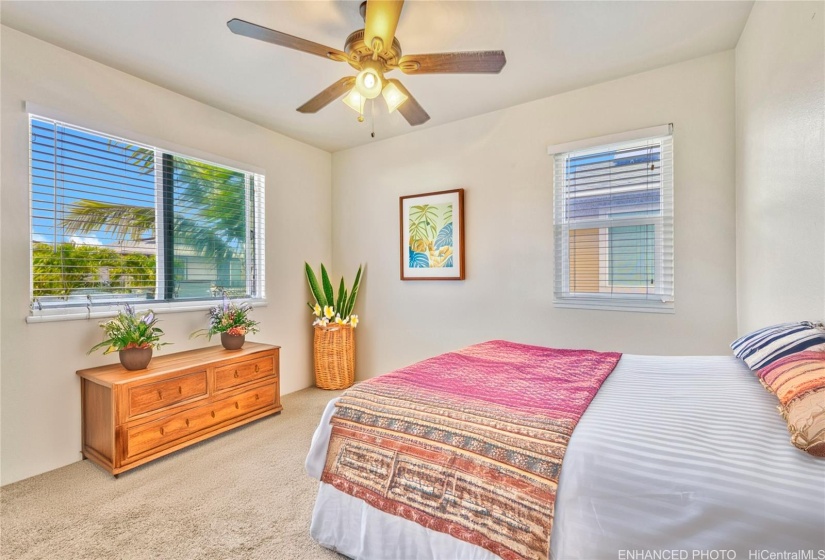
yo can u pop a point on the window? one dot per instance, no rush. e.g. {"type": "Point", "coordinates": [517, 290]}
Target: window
{"type": "Point", "coordinates": [614, 225]}
{"type": "Point", "coordinates": [115, 221]}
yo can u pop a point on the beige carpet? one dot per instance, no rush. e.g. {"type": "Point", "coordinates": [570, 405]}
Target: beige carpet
{"type": "Point", "coordinates": [243, 494]}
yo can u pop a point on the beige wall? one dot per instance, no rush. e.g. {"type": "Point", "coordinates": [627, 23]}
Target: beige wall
{"type": "Point", "coordinates": [40, 393]}
{"type": "Point", "coordinates": [500, 159]}
{"type": "Point", "coordinates": [774, 149]}
{"type": "Point", "coordinates": [780, 164]}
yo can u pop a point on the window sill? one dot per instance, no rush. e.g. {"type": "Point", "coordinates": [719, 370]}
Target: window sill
{"type": "Point", "coordinates": [629, 306]}
{"type": "Point", "coordinates": [105, 312]}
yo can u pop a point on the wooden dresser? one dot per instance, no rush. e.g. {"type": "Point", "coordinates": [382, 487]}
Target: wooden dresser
{"type": "Point", "coordinates": [132, 417]}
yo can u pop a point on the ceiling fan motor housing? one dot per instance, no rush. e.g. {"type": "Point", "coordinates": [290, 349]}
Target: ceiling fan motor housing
{"type": "Point", "coordinates": [358, 52]}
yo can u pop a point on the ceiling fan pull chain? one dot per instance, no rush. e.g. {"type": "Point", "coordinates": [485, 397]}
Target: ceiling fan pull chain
{"type": "Point", "coordinates": [372, 114]}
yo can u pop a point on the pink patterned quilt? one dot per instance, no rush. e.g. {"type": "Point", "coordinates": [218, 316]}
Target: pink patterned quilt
{"type": "Point", "coordinates": [468, 443]}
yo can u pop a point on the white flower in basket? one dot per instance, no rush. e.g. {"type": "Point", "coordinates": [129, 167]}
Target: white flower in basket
{"type": "Point", "coordinates": [329, 308]}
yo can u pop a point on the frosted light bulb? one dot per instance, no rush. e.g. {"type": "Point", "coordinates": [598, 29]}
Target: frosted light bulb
{"type": "Point", "coordinates": [368, 83]}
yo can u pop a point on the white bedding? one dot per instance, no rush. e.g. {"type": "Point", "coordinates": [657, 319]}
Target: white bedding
{"type": "Point", "coordinates": [674, 453]}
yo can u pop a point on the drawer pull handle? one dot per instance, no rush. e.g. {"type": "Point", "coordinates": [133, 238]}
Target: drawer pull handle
{"type": "Point", "coordinates": [161, 431]}
{"type": "Point", "coordinates": [237, 405]}
{"type": "Point", "coordinates": [160, 395]}
{"type": "Point", "coordinates": [236, 374]}
{"type": "Point", "coordinates": [187, 422]}
{"type": "Point", "coordinates": [213, 414]}
{"type": "Point", "coordinates": [180, 390]}
{"type": "Point", "coordinates": [256, 396]}
{"type": "Point", "coordinates": [257, 368]}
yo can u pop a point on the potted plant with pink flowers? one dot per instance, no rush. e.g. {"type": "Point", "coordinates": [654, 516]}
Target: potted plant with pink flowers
{"type": "Point", "coordinates": [232, 321]}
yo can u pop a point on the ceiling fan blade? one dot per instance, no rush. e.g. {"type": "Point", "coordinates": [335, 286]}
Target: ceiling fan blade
{"type": "Point", "coordinates": [381, 21]}
{"type": "Point", "coordinates": [327, 96]}
{"type": "Point", "coordinates": [477, 62]}
{"type": "Point", "coordinates": [254, 31]}
{"type": "Point", "coordinates": [410, 109]}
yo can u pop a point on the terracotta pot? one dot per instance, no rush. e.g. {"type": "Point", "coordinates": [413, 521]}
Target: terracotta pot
{"type": "Point", "coordinates": [232, 341]}
{"type": "Point", "coordinates": [135, 358]}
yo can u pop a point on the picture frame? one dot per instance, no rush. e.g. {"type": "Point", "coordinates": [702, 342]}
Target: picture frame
{"type": "Point", "coordinates": [432, 235]}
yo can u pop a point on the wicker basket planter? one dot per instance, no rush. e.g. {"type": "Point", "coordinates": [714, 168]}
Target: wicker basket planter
{"type": "Point", "coordinates": [334, 353]}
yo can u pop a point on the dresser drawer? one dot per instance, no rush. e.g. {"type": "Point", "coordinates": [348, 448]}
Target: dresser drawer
{"type": "Point", "coordinates": [149, 437]}
{"type": "Point", "coordinates": [227, 377]}
{"type": "Point", "coordinates": [161, 394]}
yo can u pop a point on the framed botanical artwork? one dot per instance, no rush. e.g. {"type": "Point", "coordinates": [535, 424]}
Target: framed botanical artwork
{"type": "Point", "coordinates": [432, 236]}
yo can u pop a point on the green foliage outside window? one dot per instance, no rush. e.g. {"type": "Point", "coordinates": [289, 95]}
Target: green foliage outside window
{"type": "Point", "coordinates": [64, 268]}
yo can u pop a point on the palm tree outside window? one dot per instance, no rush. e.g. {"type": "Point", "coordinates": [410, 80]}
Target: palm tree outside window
{"type": "Point", "coordinates": [116, 221]}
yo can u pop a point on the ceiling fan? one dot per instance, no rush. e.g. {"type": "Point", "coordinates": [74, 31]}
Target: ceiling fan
{"type": "Point", "coordinates": [374, 51]}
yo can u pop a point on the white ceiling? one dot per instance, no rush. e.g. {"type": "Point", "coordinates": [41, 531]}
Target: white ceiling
{"type": "Point", "coordinates": [551, 47]}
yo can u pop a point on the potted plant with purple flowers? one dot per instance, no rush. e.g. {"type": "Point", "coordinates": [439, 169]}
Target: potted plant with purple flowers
{"type": "Point", "coordinates": [232, 321]}
{"type": "Point", "coordinates": [133, 336]}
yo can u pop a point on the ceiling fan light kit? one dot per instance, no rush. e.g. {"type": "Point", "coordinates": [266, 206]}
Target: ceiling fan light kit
{"type": "Point", "coordinates": [356, 102]}
{"type": "Point", "coordinates": [375, 51]}
{"type": "Point", "coordinates": [393, 96]}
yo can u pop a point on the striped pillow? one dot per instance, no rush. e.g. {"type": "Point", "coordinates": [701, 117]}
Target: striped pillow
{"type": "Point", "coordinates": [798, 381]}
{"type": "Point", "coordinates": [765, 346]}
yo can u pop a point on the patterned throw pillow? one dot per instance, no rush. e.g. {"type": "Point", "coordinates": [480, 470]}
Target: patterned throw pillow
{"type": "Point", "coordinates": [765, 346]}
{"type": "Point", "coordinates": [798, 381]}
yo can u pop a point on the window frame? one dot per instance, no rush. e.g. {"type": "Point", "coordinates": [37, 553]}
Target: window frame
{"type": "Point", "coordinates": [662, 222]}
{"type": "Point", "coordinates": [255, 183]}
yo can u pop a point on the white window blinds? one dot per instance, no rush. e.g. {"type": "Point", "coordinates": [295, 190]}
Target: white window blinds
{"type": "Point", "coordinates": [115, 221]}
{"type": "Point", "coordinates": [613, 229]}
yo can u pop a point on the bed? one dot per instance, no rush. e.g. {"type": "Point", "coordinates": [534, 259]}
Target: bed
{"type": "Point", "coordinates": [672, 454]}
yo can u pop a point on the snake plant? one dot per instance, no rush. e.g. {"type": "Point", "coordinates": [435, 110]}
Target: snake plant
{"type": "Point", "coordinates": [329, 307]}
